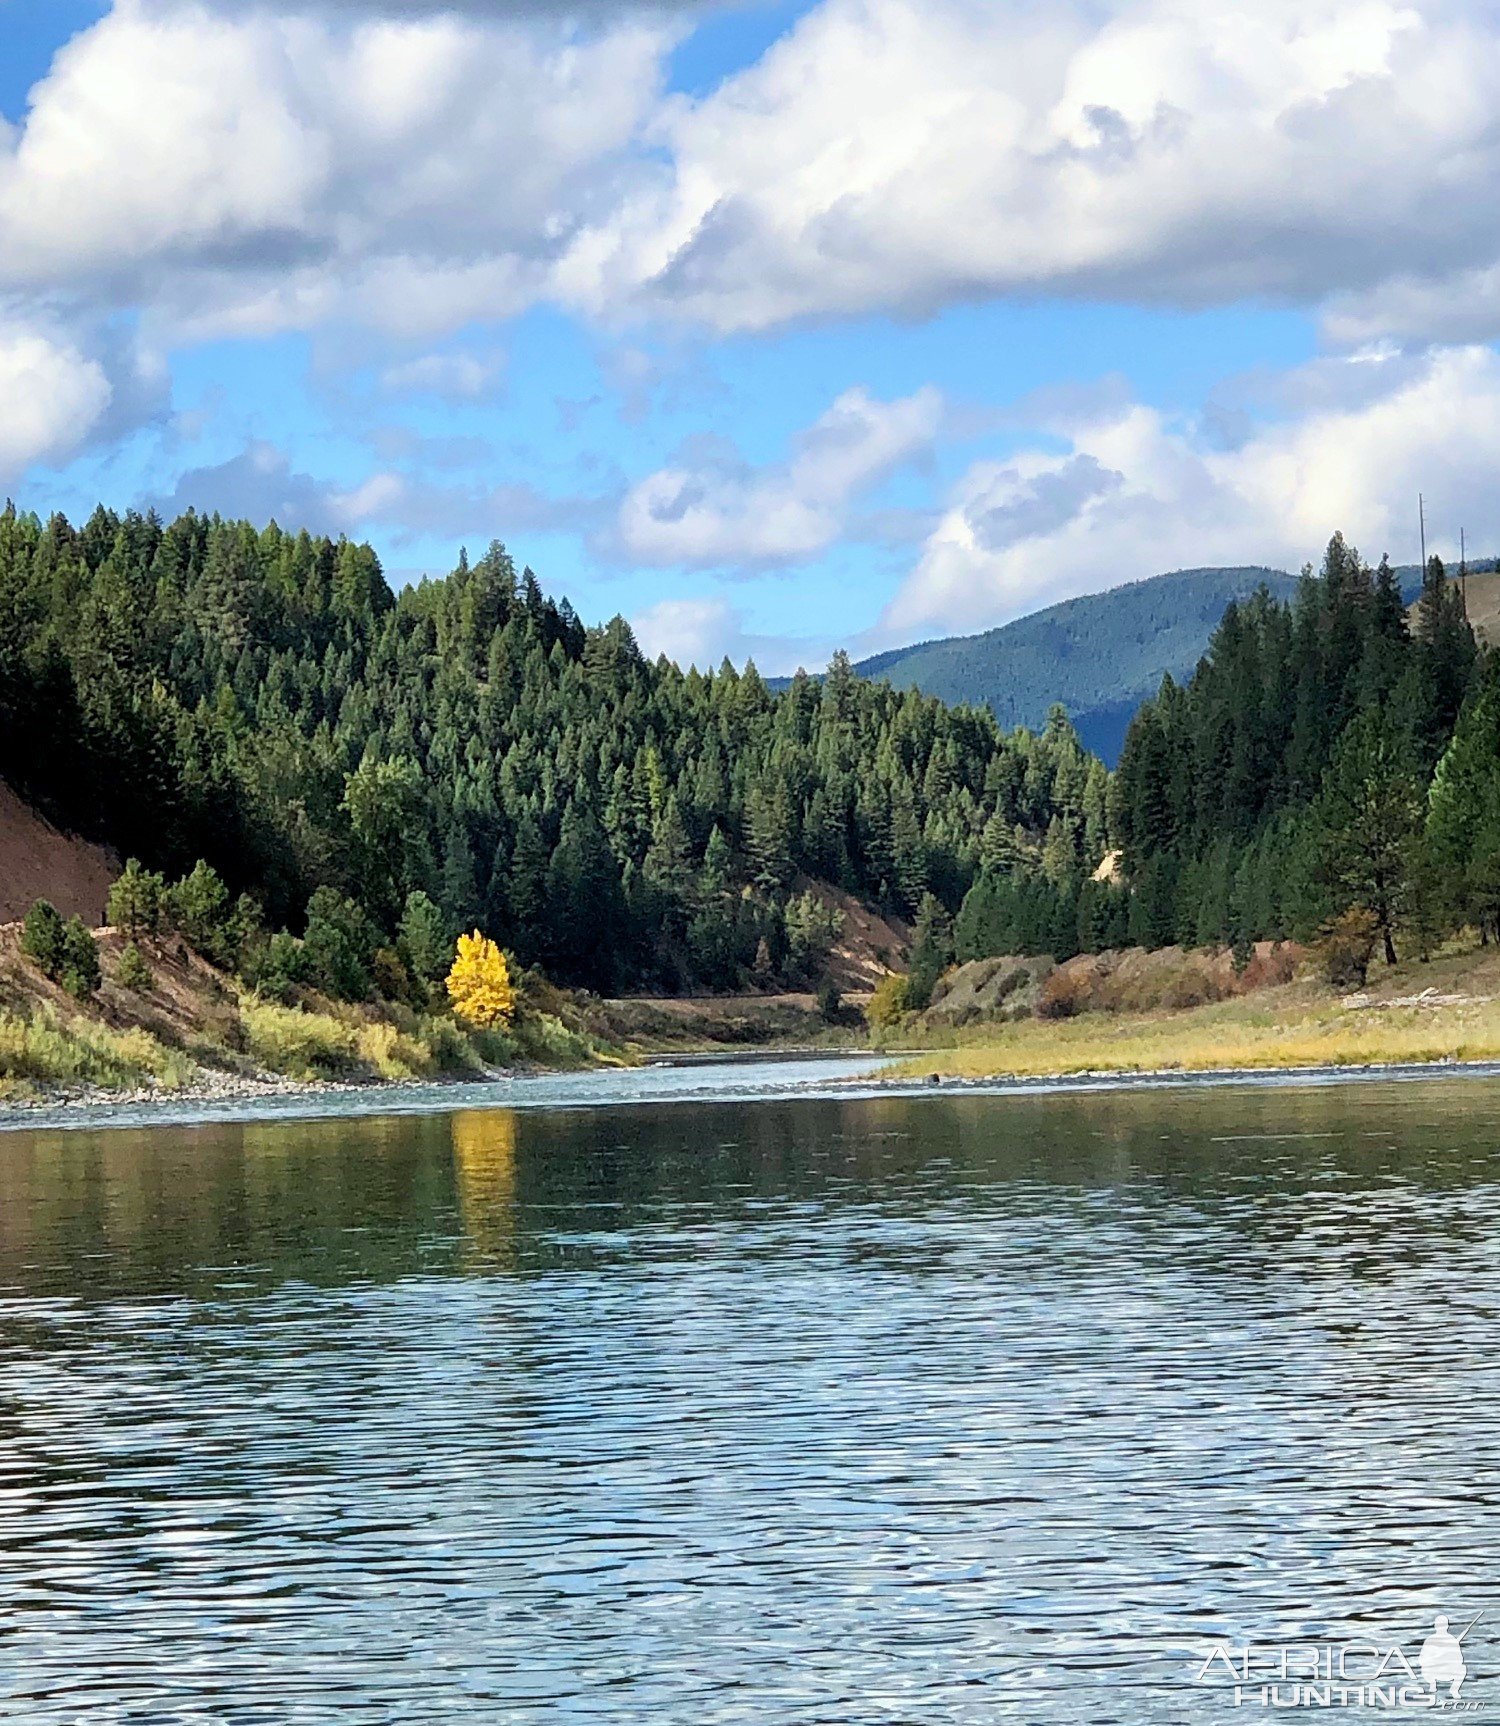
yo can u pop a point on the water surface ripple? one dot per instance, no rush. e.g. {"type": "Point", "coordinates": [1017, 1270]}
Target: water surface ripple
{"type": "Point", "coordinates": [881, 1410]}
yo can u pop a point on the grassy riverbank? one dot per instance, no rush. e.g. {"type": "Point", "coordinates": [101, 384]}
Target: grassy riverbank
{"type": "Point", "coordinates": [190, 1027]}
{"type": "Point", "coordinates": [1298, 1024]}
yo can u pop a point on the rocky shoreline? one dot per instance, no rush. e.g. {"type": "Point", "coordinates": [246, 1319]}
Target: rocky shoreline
{"type": "Point", "coordinates": [215, 1087]}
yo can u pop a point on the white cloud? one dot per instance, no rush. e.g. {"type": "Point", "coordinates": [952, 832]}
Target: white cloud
{"type": "Point", "coordinates": [1134, 493]}
{"type": "Point", "coordinates": [712, 509]}
{"type": "Point", "coordinates": [264, 171]}
{"type": "Point", "coordinates": [503, 10]}
{"type": "Point", "coordinates": [54, 396]}
{"type": "Point", "coordinates": [689, 631]}
{"type": "Point", "coordinates": [255, 167]}
{"type": "Point", "coordinates": [705, 630]}
{"type": "Point", "coordinates": [908, 153]}
{"type": "Point", "coordinates": [460, 376]}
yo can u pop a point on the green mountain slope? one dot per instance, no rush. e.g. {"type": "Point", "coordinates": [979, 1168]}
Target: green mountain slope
{"type": "Point", "coordinates": [1100, 655]}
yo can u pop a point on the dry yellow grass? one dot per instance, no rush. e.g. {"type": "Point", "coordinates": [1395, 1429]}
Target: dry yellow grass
{"type": "Point", "coordinates": [1279, 1028]}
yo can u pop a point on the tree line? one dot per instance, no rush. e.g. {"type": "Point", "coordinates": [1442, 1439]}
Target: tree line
{"type": "Point", "coordinates": [1331, 770]}
{"type": "Point", "coordinates": [333, 773]}
{"type": "Point", "coordinates": [342, 779]}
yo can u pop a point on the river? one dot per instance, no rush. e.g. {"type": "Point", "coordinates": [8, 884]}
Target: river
{"type": "Point", "coordinates": [722, 1396]}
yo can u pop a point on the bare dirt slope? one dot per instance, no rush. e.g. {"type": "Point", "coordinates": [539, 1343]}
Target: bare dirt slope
{"type": "Point", "coordinates": [38, 862]}
{"type": "Point", "coordinates": [189, 1005]}
{"type": "Point", "coordinates": [707, 1021]}
{"type": "Point", "coordinates": [1483, 603]}
{"type": "Point", "coordinates": [870, 947]}
{"type": "Point", "coordinates": [1484, 606]}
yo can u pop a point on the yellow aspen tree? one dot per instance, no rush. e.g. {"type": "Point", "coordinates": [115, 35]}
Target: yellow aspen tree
{"type": "Point", "coordinates": [479, 984]}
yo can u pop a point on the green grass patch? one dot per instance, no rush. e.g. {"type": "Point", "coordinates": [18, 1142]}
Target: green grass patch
{"type": "Point", "coordinates": [298, 1043]}
{"type": "Point", "coordinates": [43, 1050]}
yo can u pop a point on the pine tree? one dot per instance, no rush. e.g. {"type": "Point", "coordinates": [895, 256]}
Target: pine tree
{"type": "Point", "coordinates": [42, 938]}
{"type": "Point", "coordinates": [80, 960]}
{"type": "Point", "coordinates": [425, 944]}
{"type": "Point", "coordinates": [931, 953]}
{"type": "Point", "coordinates": [135, 901]}
{"type": "Point", "coordinates": [1370, 817]}
{"type": "Point", "coordinates": [768, 836]}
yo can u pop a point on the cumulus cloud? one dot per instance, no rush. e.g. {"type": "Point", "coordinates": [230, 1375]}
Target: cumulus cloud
{"type": "Point", "coordinates": [496, 9]}
{"type": "Point", "coordinates": [66, 388]}
{"type": "Point", "coordinates": [690, 631]}
{"type": "Point", "coordinates": [412, 167]}
{"type": "Point", "coordinates": [265, 171]}
{"type": "Point", "coordinates": [909, 153]}
{"type": "Point", "coordinates": [1134, 492]}
{"type": "Point", "coordinates": [712, 509]}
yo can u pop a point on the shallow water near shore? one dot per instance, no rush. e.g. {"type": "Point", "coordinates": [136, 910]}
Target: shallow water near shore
{"type": "Point", "coordinates": [764, 1404]}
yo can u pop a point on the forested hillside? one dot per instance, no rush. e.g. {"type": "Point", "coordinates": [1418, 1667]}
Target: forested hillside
{"type": "Point", "coordinates": [263, 701]}
{"type": "Point", "coordinates": [1331, 769]}
{"type": "Point", "coordinates": [1100, 655]}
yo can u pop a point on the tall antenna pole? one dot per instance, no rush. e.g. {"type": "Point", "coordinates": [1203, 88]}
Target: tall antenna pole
{"type": "Point", "coordinates": [1463, 569]}
{"type": "Point", "coordinates": [1422, 524]}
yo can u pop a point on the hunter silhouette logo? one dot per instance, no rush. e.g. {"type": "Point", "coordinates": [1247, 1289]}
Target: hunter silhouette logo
{"type": "Point", "coordinates": [1442, 1659]}
{"type": "Point", "coordinates": [1356, 1674]}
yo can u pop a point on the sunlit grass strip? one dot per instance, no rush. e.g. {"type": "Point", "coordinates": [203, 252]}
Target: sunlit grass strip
{"type": "Point", "coordinates": [43, 1050]}
{"type": "Point", "coordinates": [1219, 1038]}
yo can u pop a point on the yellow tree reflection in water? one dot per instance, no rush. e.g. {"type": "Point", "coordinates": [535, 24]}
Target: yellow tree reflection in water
{"type": "Point", "coordinates": [484, 1163]}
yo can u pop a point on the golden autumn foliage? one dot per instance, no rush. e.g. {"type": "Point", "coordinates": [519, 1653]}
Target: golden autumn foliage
{"type": "Point", "coordinates": [479, 984]}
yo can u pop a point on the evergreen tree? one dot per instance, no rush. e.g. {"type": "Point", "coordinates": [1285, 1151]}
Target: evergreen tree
{"type": "Point", "coordinates": [43, 938]}
{"type": "Point", "coordinates": [425, 944]}
{"type": "Point", "coordinates": [80, 974]}
{"type": "Point", "coordinates": [1370, 818]}
{"type": "Point", "coordinates": [135, 901]}
{"type": "Point", "coordinates": [931, 953]}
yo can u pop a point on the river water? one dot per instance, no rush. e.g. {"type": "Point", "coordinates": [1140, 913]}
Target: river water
{"type": "Point", "coordinates": [650, 1407]}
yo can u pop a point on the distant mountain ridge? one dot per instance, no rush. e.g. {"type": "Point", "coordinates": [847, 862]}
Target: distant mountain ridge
{"type": "Point", "coordinates": [1100, 655]}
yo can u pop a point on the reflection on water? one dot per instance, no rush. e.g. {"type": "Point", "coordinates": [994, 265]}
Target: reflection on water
{"type": "Point", "coordinates": [484, 1171]}
{"type": "Point", "coordinates": [944, 1410]}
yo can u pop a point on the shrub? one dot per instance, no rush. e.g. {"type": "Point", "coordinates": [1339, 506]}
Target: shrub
{"type": "Point", "coordinates": [450, 1050]}
{"type": "Point", "coordinates": [279, 968]}
{"type": "Point", "coordinates": [479, 984]}
{"type": "Point", "coordinates": [1065, 993]}
{"type": "Point", "coordinates": [80, 959]}
{"type": "Point", "coordinates": [42, 939]}
{"type": "Point", "coordinates": [301, 1045]}
{"type": "Point", "coordinates": [392, 1054]}
{"type": "Point", "coordinates": [41, 1050]}
{"type": "Point", "coordinates": [133, 972]}
{"type": "Point", "coordinates": [542, 1038]}
{"type": "Point", "coordinates": [1268, 970]}
{"type": "Point", "coordinates": [830, 1002]}
{"type": "Point", "coordinates": [889, 1002]}
{"type": "Point", "coordinates": [1345, 947]}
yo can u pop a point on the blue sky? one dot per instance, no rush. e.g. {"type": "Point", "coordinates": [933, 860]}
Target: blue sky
{"type": "Point", "coordinates": [772, 327]}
